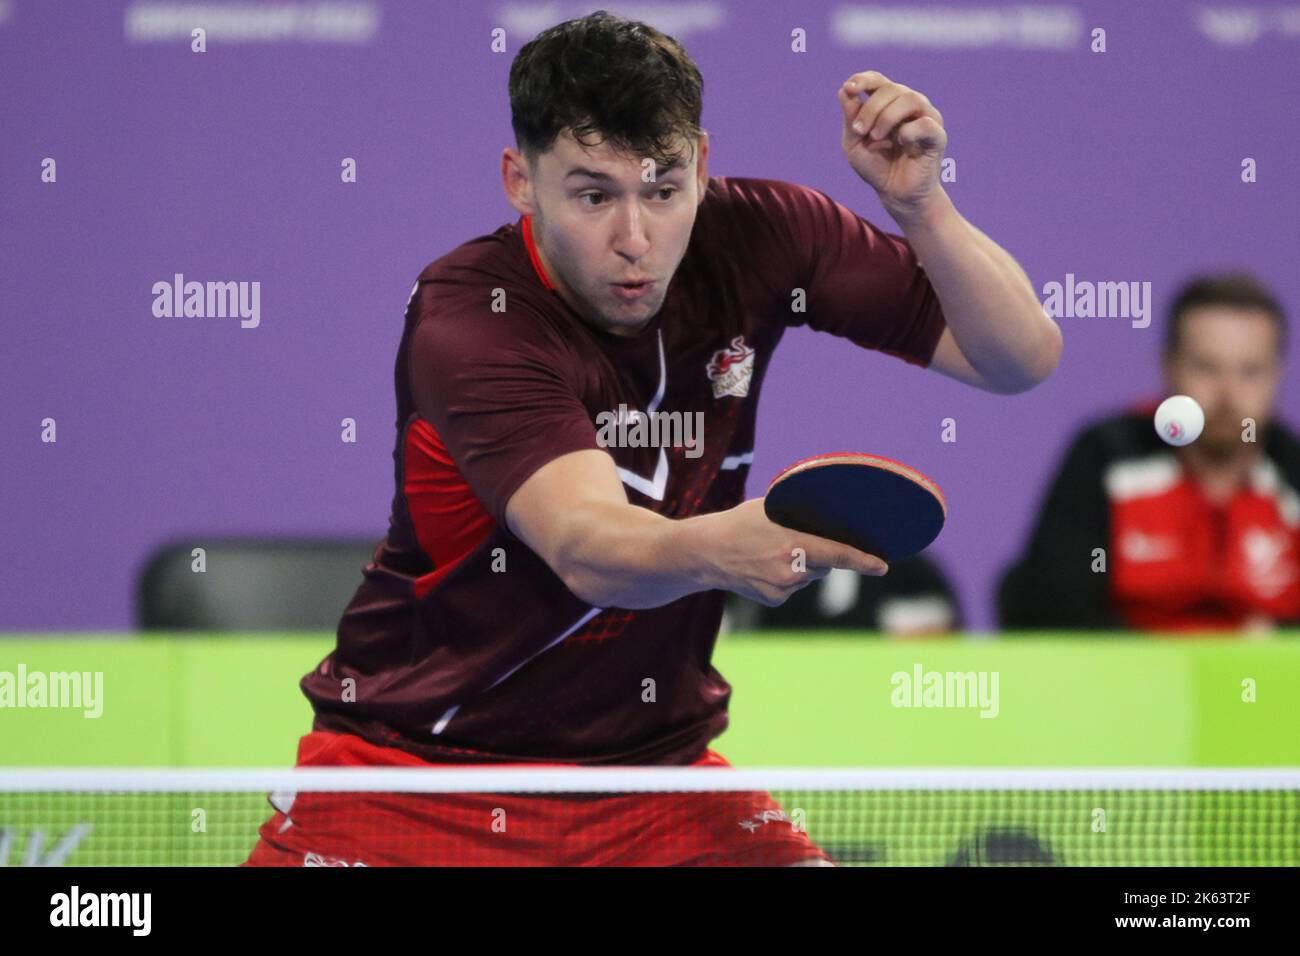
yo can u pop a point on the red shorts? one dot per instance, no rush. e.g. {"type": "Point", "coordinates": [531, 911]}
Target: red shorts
{"type": "Point", "coordinates": [410, 829]}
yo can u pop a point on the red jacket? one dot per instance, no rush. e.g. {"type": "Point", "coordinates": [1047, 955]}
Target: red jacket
{"type": "Point", "coordinates": [1173, 560]}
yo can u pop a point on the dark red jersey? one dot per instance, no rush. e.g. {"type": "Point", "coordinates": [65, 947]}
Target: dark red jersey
{"type": "Point", "coordinates": [461, 644]}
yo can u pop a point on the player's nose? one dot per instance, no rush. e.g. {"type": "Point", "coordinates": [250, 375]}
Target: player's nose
{"type": "Point", "coordinates": [631, 239]}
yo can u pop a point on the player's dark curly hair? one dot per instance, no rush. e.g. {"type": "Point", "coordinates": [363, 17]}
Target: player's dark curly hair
{"type": "Point", "coordinates": [1237, 290]}
{"type": "Point", "coordinates": [606, 79]}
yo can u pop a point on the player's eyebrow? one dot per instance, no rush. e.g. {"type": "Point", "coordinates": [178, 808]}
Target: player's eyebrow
{"type": "Point", "coordinates": [583, 172]}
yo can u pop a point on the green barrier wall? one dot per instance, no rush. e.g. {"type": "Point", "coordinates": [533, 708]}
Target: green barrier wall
{"type": "Point", "coordinates": [797, 701]}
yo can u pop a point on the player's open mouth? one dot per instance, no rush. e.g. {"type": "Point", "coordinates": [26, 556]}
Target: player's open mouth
{"type": "Point", "coordinates": [631, 291]}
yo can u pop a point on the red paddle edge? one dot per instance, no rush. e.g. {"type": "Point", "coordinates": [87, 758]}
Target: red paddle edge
{"type": "Point", "coordinates": [857, 457]}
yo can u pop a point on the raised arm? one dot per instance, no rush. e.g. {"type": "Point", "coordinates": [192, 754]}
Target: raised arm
{"type": "Point", "coordinates": [998, 338]}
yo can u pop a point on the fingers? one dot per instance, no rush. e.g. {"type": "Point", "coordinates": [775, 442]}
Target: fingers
{"type": "Point", "coordinates": [889, 105]}
{"type": "Point", "coordinates": [824, 553]}
{"type": "Point", "coordinates": [921, 136]}
{"type": "Point", "coordinates": [774, 595]}
{"type": "Point", "coordinates": [868, 121]}
{"type": "Point", "coordinates": [900, 106]}
{"type": "Point", "coordinates": [850, 104]}
{"type": "Point", "coordinates": [821, 557]}
{"type": "Point", "coordinates": [778, 561]}
{"type": "Point", "coordinates": [867, 82]}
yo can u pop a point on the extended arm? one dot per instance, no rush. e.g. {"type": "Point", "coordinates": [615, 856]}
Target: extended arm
{"type": "Point", "coordinates": [574, 513]}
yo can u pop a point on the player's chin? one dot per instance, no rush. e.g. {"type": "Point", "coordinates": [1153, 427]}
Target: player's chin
{"type": "Point", "coordinates": [633, 313]}
{"type": "Point", "coordinates": [1224, 431]}
{"type": "Point", "coordinates": [1220, 443]}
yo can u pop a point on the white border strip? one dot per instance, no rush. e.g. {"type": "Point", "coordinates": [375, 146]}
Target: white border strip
{"type": "Point", "coordinates": [541, 779]}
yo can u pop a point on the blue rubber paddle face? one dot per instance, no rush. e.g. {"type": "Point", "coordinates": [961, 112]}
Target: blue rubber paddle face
{"type": "Point", "coordinates": [870, 507]}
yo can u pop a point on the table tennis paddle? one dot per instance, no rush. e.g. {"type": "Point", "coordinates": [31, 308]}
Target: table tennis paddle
{"type": "Point", "coordinates": [874, 504]}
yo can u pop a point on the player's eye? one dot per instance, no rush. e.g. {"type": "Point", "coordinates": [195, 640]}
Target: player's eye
{"type": "Point", "coordinates": [671, 190]}
{"type": "Point", "coordinates": [589, 195]}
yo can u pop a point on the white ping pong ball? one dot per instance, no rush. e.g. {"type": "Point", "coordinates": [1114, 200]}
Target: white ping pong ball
{"type": "Point", "coordinates": [1179, 420]}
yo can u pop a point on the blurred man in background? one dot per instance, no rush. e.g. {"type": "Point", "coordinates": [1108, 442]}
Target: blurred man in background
{"type": "Point", "coordinates": [1203, 537]}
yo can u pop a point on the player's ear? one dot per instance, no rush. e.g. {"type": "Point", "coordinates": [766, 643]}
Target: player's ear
{"type": "Point", "coordinates": [702, 166]}
{"type": "Point", "coordinates": [517, 180]}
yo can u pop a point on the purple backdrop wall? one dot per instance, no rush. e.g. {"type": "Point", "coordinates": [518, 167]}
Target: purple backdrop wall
{"type": "Point", "coordinates": [1115, 166]}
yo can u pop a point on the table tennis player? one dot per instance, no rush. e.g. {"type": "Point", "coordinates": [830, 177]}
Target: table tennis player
{"type": "Point", "coordinates": [542, 598]}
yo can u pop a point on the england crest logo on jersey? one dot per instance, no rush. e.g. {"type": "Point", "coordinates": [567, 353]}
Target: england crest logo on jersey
{"type": "Point", "coordinates": [731, 368]}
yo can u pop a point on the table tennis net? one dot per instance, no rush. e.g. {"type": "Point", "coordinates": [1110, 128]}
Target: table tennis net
{"type": "Point", "coordinates": [651, 816]}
